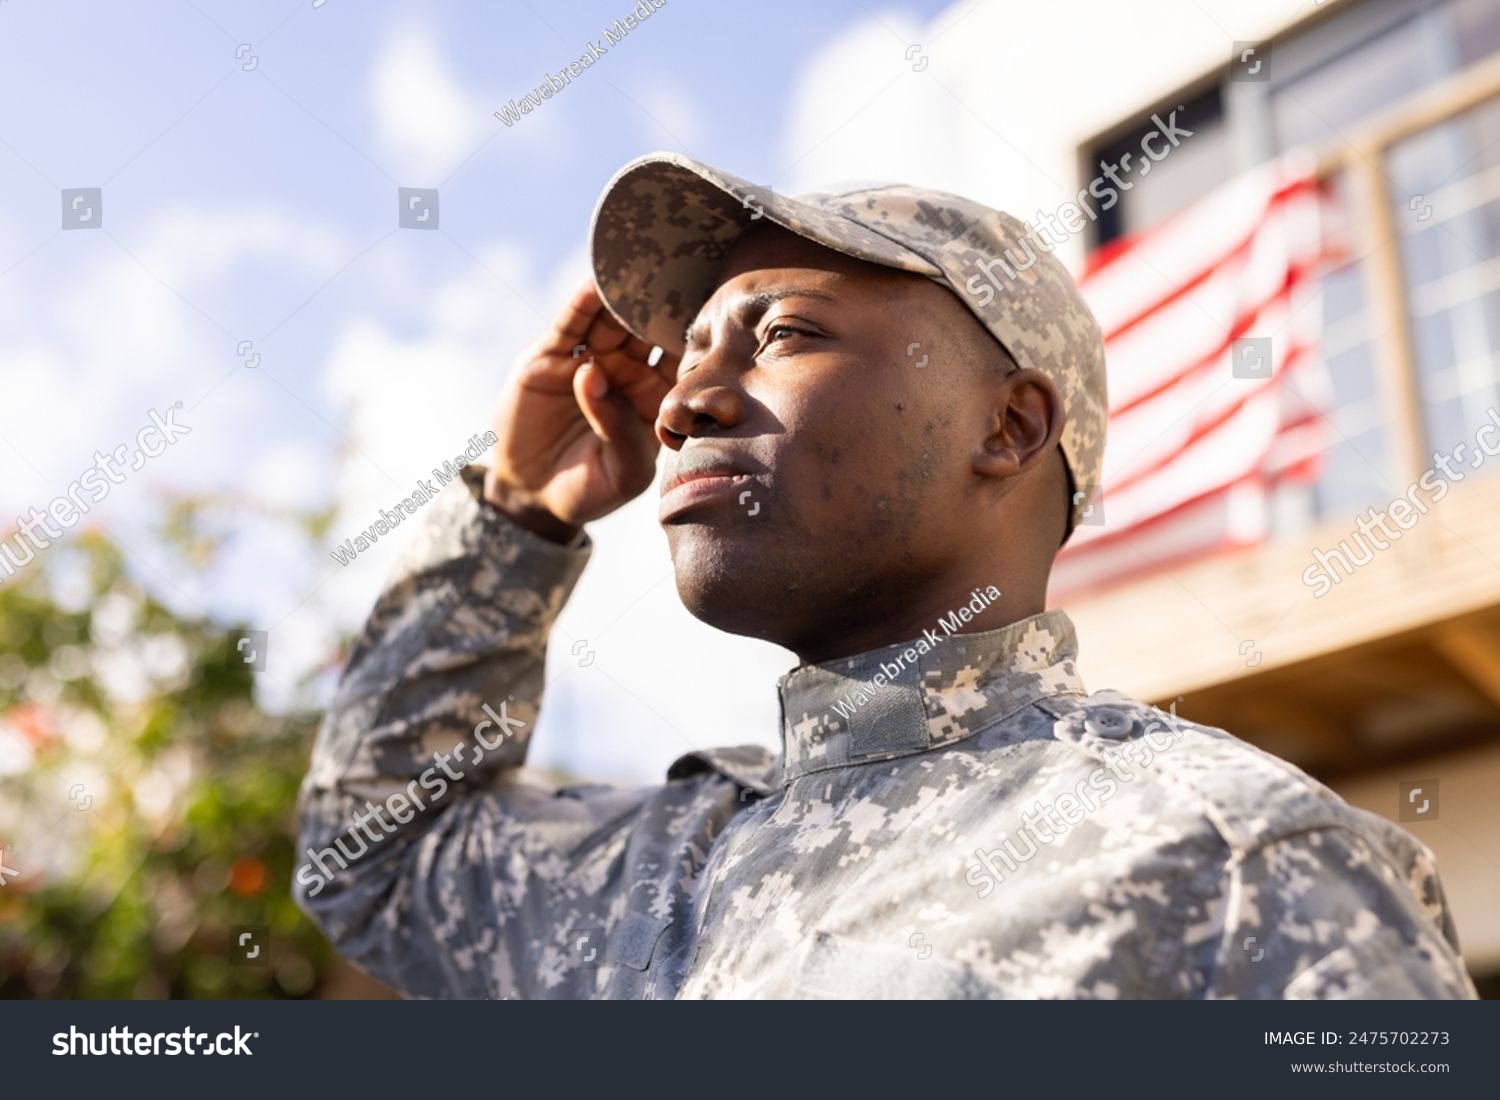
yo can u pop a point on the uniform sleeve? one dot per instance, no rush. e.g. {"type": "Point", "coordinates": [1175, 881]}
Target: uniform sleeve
{"type": "Point", "coordinates": [424, 858]}
{"type": "Point", "coordinates": [1324, 915]}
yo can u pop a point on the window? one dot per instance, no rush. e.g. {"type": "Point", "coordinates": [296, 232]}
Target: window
{"type": "Point", "coordinates": [1194, 169]}
{"type": "Point", "coordinates": [1452, 174]}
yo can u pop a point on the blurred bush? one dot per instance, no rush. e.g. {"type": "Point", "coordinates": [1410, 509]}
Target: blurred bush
{"type": "Point", "coordinates": [147, 800]}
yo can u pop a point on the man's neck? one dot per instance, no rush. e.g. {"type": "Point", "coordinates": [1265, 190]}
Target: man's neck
{"type": "Point", "coordinates": [983, 606]}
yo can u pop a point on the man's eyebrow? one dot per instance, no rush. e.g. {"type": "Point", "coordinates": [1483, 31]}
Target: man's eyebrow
{"type": "Point", "coordinates": [755, 305]}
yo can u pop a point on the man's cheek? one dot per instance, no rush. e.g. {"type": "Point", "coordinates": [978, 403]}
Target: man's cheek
{"type": "Point", "coordinates": [874, 507]}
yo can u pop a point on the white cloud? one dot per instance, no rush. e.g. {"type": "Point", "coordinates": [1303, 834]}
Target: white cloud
{"type": "Point", "coordinates": [863, 111]}
{"type": "Point", "coordinates": [201, 243]}
{"type": "Point", "coordinates": [427, 123]}
{"type": "Point", "coordinates": [279, 475]}
{"type": "Point", "coordinates": [102, 341]}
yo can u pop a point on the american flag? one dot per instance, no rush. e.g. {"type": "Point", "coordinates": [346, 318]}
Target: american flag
{"type": "Point", "coordinates": [1194, 453]}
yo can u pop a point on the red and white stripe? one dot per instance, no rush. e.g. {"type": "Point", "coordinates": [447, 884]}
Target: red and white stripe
{"type": "Point", "coordinates": [1194, 453]}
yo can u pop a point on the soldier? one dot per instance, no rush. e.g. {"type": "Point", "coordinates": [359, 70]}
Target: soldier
{"type": "Point", "coordinates": [873, 464]}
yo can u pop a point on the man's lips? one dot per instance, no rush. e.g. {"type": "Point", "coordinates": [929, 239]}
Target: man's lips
{"type": "Point", "coordinates": [698, 492]}
{"type": "Point", "coordinates": [699, 483]}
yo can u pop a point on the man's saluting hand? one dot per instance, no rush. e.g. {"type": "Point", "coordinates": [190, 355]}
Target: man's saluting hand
{"type": "Point", "coordinates": [575, 424]}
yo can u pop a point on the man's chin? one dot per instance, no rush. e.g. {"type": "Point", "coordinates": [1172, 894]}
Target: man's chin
{"type": "Point", "coordinates": [726, 581]}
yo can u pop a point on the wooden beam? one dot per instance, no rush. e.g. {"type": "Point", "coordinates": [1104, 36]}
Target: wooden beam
{"type": "Point", "coordinates": [1385, 287]}
{"type": "Point", "coordinates": [1475, 653]}
{"type": "Point", "coordinates": [1461, 92]}
{"type": "Point", "coordinates": [1281, 723]}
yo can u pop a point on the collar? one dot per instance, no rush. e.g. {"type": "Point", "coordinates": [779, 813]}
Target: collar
{"type": "Point", "coordinates": [923, 694]}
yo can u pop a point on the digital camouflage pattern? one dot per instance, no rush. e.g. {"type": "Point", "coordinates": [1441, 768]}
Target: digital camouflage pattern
{"type": "Point", "coordinates": [665, 223]}
{"type": "Point", "coordinates": [892, 849]}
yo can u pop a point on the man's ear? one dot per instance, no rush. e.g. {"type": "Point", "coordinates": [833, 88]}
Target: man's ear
{"type": "Point", "coordinates": [1026, 423]}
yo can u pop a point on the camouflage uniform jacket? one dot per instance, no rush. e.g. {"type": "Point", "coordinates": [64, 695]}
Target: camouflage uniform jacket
{"type": "Point", "coordinates": [978, 827]}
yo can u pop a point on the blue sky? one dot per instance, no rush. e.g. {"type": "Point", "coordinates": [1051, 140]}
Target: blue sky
{"type": "Point", "coordinates": [96, 90]}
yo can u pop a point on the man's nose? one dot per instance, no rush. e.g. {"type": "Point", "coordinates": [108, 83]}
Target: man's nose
{"type": "Point", "coordinates": [699, 404]}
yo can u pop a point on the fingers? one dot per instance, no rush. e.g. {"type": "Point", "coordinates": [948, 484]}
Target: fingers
{"type": "Point", "coordinates": [590, 386]}
{"type": "Point", "coordinates": [606, 333]}
{"type": "Point", "coordinates": [640, 349]}
{"type": "Point", "coordinates": [572, 323]}
{"type": "Point", "coordinates": [637, 348]}
{"type": "Point", "coordinates": [643, 386]}
{"type": "Point", "coordinates": [609, 413]}
{"type": "Point", "coordinates": [585, 321]}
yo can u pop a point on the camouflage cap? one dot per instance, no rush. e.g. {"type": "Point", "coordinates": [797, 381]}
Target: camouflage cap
{"type": "Point", "coordinates": [665, 223]}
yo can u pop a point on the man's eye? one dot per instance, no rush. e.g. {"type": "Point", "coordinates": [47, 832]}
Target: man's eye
{"type": "Point", "coordinates": [779, 333]}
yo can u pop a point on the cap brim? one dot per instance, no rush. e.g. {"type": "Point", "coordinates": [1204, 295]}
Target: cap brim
{"type": "Point", "coordinates": [665, 223]}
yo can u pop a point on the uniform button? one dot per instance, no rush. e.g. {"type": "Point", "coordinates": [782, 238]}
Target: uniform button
{"type": "Point", "coordinates": [1109, 722]}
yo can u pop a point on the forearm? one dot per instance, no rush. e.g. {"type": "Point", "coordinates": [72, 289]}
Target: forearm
{"type": "Point", "coordinates": [462, 625]}
{"type": "Point", "coordinates": [456, 641]}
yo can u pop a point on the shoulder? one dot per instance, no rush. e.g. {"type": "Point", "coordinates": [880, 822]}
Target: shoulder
{"type": "Point", "coordinates": [1248, 797]}
{"type": "Point", "coordinates": [752, 769]}
{"type": "Point", "coordinates": [1325, 899]}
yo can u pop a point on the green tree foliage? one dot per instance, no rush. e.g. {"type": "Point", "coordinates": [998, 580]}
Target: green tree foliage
{"type": "Point", "coordinates": [147, 800]}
